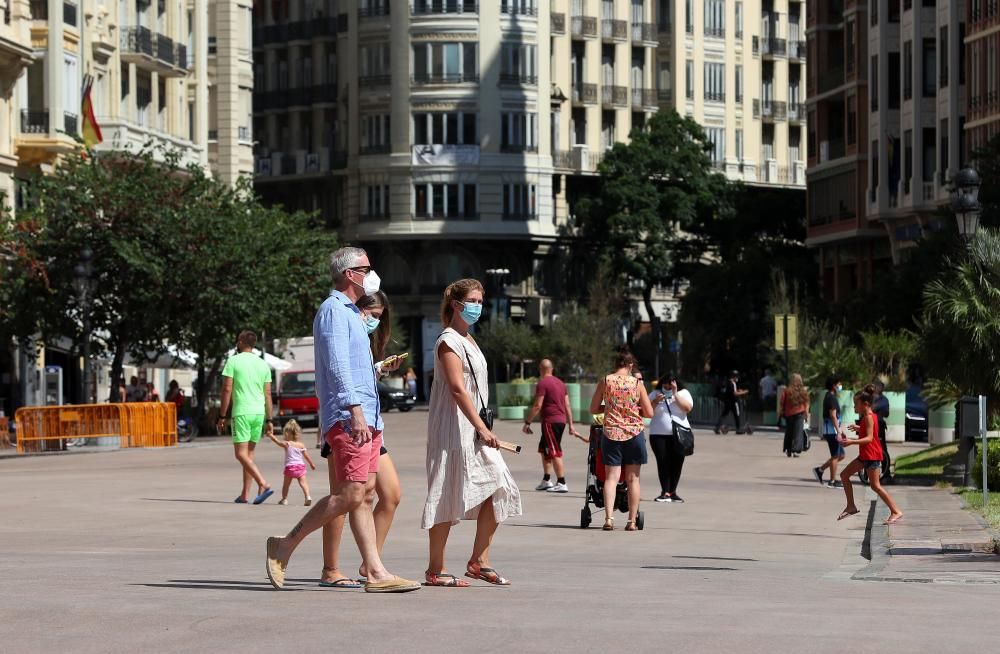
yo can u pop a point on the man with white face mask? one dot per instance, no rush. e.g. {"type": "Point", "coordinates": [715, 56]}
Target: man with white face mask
{"type": "Point", "coordinates": [350, 420]}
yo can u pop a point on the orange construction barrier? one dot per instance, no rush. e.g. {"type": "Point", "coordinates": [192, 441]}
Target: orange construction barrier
{"type": "Point", "coordinates": [142, 424]}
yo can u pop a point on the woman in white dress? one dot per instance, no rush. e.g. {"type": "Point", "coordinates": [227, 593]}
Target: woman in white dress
{"type": "Point", "coordinates": [467, 478]}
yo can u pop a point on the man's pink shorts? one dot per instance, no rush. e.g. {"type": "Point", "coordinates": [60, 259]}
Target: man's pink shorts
{"type": "Point", "coordinates": [353, 462]}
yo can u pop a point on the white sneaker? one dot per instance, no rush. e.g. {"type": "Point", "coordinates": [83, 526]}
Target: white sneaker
{"type": "Point", "coordinates": [545, 485]}
{"type": "Point", "coordinates": [283, 502]}
{"type": "Point", "coordinates": [559, 488]}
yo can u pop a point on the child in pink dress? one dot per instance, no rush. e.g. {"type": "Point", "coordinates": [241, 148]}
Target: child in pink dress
{"type": "Point", "coordinates": [296, 457]}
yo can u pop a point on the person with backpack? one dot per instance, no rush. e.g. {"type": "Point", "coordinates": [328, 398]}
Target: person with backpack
{"type": "Point", "coordinates": [730, 395]}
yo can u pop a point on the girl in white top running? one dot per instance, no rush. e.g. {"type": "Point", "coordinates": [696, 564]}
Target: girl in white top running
{"type": "Point", "coordinates": [671, 404]}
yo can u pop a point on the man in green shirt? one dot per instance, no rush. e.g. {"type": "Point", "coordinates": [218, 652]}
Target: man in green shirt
{"type": "Point", "coordinates": [247, 382]}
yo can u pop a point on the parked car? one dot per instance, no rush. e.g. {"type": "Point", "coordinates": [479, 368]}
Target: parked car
{"type": "Point", "coordinates": [296, 398]}
{"type": "Point", "coordinates": [395, 398]}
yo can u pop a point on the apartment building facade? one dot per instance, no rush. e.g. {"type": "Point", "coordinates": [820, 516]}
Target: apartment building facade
{"type": "Point", "coordinates": [889, 127]}
{"type": "Point", "coordinates": [173, 73]}
{"type": "Point", "coordinates": [739, 69]}
{"type": "Point", "coordinates": [982, 43]}
{"type": "Point", "coordinates": [163, 72]}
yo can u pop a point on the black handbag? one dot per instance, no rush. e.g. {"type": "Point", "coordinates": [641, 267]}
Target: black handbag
{"type": "Point", "coordinates": [486, 414]}
{"type": "Point", "coordinates": [684, 435]}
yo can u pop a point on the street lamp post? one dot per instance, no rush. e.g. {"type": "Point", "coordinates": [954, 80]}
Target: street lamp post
{"type": "Point", "coordinates": [965, 205]}
{"type": "Point", "coordinates": [82, 282]}
{"type": "Point", "coordinates": [965, 202]}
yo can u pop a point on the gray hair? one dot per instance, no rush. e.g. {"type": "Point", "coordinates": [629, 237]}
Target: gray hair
{"type": "Point", "coordinates": [343, 259]}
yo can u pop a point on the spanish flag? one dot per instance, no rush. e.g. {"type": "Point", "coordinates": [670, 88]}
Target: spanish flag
{"type": "Point", "coordinates": [90, 131]}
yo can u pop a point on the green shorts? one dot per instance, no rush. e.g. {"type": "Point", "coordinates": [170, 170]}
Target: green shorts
{"type": "Point", "coordinates": [248, 429]}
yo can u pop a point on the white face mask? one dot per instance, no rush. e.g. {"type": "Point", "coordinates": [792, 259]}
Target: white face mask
{"type": "Point", "coordinates": [372, 283]}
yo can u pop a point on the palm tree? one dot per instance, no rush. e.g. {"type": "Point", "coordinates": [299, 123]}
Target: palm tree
{"type": "Point", "coordinates": [961, 323]}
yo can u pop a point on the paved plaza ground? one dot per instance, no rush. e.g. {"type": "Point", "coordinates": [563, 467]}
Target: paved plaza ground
{"type": "Point", "coordinates": [144, 551]}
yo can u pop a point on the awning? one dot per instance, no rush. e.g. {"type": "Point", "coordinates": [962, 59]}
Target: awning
{"type": "Point", "coordinates": [274, 362]}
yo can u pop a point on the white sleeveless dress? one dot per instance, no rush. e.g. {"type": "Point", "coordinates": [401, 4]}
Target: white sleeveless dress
{"type": "Point", "coordinates": [462, 473]}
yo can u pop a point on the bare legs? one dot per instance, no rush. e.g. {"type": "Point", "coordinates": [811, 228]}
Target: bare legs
{"type": "Point", "coordinates": [548, 463]}
{"type": "Point", "coordinates": [389, 493]}
{"type": "Point", "coordinates": [244, 454]}
{"type": "Point", "coordinates": [876, 485]}
{"type": "Point", "coordinates": [345, 497]}
{"type": "Point", "coordinates": [611, 476]}
{"type": "Point", "coordinates": [832, 464]}
{"type": "Point", "coordinates": [486, 527]}
{"type": "Point", "coordinates": [632, 478]}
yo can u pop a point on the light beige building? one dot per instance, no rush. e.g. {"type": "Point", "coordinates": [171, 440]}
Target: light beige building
{"type": "Point", "coordinates": [172, 73]}
{"type": "Point", "coordinates": [451, 137]}
{"type": "Point", "coordinates": [16, 54]}
{"type": "Point", "coordinates": [738, 69]}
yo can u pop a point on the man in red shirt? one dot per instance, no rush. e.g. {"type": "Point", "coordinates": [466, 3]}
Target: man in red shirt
{"type": "Point", "coordinates": [552, 401]}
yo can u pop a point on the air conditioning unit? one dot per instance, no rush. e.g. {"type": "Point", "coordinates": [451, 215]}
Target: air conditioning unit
{"type": "Point", "coordinates": [538, 313]}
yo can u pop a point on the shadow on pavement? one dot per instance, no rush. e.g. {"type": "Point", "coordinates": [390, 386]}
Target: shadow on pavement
{"type": "Point", "coordinates": [178, 499]}
{"type": "Point", "coordinates": [210, 584]}
{"type": "Point", "coordinates": [713, 558]}
{"type": "Point", "coordinates": [689, 567]}
{"type": "Point", "coordinates": [543, 526]}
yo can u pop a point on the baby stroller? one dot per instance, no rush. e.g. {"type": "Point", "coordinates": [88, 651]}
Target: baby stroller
{"type": "Point", "coordinates": [595, 482]}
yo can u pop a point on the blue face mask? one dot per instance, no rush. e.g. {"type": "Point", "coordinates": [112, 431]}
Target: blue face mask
{"type": "Point", "coordinates": [471, 312]}
{"type": "Point", "coordinates": [371, 323]}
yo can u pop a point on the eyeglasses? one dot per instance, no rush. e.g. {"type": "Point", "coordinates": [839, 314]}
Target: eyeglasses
{"type": "Point", "coordinates": [361, 269]}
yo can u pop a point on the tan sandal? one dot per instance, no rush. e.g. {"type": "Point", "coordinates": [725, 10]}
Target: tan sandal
{"type": "Point", "coordinates": [630, 526]}
{"type": "Point", "coordinates": [609, 524]}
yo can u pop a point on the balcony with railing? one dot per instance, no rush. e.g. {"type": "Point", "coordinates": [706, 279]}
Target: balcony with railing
{"type": "Point", "coordinates": [770, 109]}
{"type": "Point", "coordinates": [424, 79]}
{"type": "Point", "coordinates": [770, 46]}
{"type": "Point", "coordinates": [796, 112]}
{"type": "Point", "coordinates": [644, 98]}
{"type": "Point", "coordinates": [243, 134]}
{"type": "Point", "coordinates": [715, 32]}
{"type": "Point", "coordinates": [450, 215]}
{"type": "Point", "coordinates": [40, 11]}
{"type": "Point", "coordinates": [374, 81]}
{"type": "Point", "coordinates": [518, 8]}
{"type": "Point", "coordinates": [984, 14]}
{"type": "Point", "coordinates": [585, 93]}
{"type": "Point", "coordinates": [614, 30]}
{"type": "Point", "coordinates": [446, 7]}
{"type": "Point", "coordinates": [797, 50]}
{"type": "Point", "coordinates": [374, 12]}
{"type": "Point", "coordinates": [583, 26]}
{"type": "Point", "coordinates": [558, 22]}
{"type": "Point", "coordinates": [715, 96]}
{"type": "Point", "coordinates": [645, 32]}
{"type": "Point", "coordinates": [517, 148]}
{"type": "Point", "coordinates": [152, 51]}
{"type": "Point", "coordinates": [518, 79]}
{"type": "Point", "coordinates": [614, 96]}
{"type": "Point", "coordinates": [34, 122]}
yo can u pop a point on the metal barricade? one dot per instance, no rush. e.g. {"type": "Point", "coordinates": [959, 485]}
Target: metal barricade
{"type": "Point", "coordinates": [141, 424]}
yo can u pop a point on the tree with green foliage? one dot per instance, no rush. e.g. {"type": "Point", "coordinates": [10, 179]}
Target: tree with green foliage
{"type": "Point", "coordinates": [960, 330]}
{"type": "Point", "coordinates": [652, 189]}
{"type": "Point", "coordinates": [178, 258]}
{"type": "Point", "coordinates": [727, 314]}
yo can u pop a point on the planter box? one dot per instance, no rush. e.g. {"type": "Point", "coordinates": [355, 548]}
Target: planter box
{"type": "Point", "coordinates": [941, 426]}
{"type": "Point", "coordinates": [512, 412]}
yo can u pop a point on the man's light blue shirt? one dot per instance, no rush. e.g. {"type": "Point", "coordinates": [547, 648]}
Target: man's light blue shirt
{"type": "Point", "coordinates": [345, 371]}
